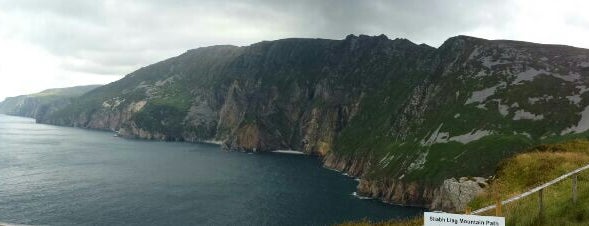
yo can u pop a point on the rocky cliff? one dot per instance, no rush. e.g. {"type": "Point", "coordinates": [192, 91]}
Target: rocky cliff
{"type": "Point", "coordinates": [286, 94]}
{"type": "Point", "coordinates": [39, 104]}
{"type": "Point", "coordinates": [403, 117]}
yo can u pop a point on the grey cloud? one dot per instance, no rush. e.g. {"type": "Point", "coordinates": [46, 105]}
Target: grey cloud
{"type": "Point", "coordinates": [114, 36]}
{"type": "Point", "coordinates": [99, 69]}
{"type": "Point", "coordinates": [79, 9]}
{"type": "Point", "coordinates": [419, 20]}
{"type": "Point", "coordinates": [576, 20]}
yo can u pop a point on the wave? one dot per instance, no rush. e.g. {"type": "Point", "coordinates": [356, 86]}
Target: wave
{"type": "Point", "coordinates": [359, 196]}
{"type": "Point", "coordinates": [9, 224]}
{"type": "Point", "coordinates": [217, 142]}
{"type": "Point", "coordinates": [289, 152]}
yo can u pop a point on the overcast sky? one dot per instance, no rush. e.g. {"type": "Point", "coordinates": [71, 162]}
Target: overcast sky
{"type": "Point", "coordinates": [60, 43]}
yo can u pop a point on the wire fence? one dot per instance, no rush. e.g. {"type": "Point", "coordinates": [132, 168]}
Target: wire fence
{"type": "Point", "coordinates": [563, 198]}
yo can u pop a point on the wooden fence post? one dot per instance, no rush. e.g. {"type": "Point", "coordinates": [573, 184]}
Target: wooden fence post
{"type": "Point", "coordinates": [575, 189]}
{"type": "Point", "coordinates": [498, 208]}
{"type": "Point", "coordinates": [541, 204]}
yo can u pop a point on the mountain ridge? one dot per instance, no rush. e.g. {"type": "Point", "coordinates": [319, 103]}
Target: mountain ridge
{"type": "Point", "coordinates": [403, 117]}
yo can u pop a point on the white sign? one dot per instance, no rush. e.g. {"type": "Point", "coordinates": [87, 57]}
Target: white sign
{"type": "Point", "coordinates": [447, 219]}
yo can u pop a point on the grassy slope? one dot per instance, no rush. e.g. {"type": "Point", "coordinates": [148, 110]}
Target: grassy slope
{"type": "Point", "coordinates": [418, 221]}
{"type": "Point", "coordinates": [66, 92]}
{"type": "Point", "coordinates": [26, 104]}
{"type": "Point", "coordinates": [372, 135]}
{"type": "Point", "coordinates": [170, 100]}
{"type": "Point", "coordinates": [539, 165]}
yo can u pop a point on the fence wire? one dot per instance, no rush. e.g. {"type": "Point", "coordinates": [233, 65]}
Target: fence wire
{"type": "Point", "coordinates": [553, 203]}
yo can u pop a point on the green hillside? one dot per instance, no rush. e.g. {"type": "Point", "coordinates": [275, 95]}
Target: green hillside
{"type": "Point", "coordinates": [36, 105]}
{"type": "Point", "coordinates": [540, 165]}
{"type": "Point", "coordinates": [403, 117]}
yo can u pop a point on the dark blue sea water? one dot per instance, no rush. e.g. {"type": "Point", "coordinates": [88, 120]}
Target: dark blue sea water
{"type": "Point", "coordinates": [66, 176]}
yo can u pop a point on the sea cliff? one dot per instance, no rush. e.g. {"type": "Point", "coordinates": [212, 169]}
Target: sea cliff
{"type": "Point", "coordinates": [410, 120]}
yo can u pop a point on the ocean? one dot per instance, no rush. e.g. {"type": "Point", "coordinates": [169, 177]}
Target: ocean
{"type": "Point", "coordinates": [53, 175]}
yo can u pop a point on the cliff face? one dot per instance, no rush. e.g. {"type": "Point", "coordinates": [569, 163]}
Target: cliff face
{"type": "Point", "coordinates": [403, 117]}
{"type": "Point", "coordinates": [287, 94]}
{"type": "Point", "coordinates": [39, 104]}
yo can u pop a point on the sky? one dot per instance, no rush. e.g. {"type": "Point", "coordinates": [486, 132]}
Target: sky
{"type": "Point", "coordinates": [62, 43]}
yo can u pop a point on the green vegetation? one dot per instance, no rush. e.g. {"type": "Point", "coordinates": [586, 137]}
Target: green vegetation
{"type": "Point", "coordinates": [394, 140]}
{"type": "Point", "coordinates": [417, 221]}
{"type": "Point", "coordinates": [66, 92]}
{"type": "Point", "coordinates": [162, 118]}
{"type": "Point", "coordinates": [535, 167]}
{"type": "Point", "coordinates": [451, 159]}
{"type": "Point", "coordinates": [37, 104]}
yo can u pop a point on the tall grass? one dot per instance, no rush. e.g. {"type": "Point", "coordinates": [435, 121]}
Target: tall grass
{"type": "Point", "coordinates": [535, 167]}
{"type": "Point", "coordinates": [417, 221]}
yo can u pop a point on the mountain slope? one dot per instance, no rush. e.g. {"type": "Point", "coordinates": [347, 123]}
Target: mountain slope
{"type": "Point", "coordinates": [266, 96]}
{"type": "Point", "coordinates": [486, 101]}
{"type": "Point", "coordinates": [34, 105]}
{"type": "Point", "coordinates": [403, 117]}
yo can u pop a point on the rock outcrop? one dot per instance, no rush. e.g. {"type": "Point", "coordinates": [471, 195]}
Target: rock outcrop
{"type": "Point", "coordinates": [454, 195]}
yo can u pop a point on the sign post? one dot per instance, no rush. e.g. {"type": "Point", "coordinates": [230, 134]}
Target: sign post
{"type": "Point", "coordinates": [447, 219]}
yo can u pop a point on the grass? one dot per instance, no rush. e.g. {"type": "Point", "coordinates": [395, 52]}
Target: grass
{"type": "Point", "coordinates": [535, 167]}
{"type": "Point", "coordinates": [417, 221]}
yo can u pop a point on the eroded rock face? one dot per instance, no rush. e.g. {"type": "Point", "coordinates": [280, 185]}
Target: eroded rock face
{"type": "Point", "coordinates": [396, 192]}
{"type": "Point", "coordinates": [355, 167]}
{"type": "Point", "coordinates": [454, 195]}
